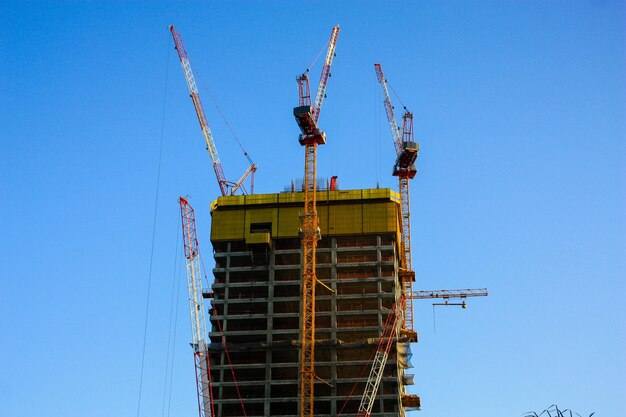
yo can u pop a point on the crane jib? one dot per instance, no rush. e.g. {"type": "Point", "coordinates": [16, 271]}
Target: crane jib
{"type": "Point", "coordinates": [321, 89]}
{"type": "Point", "coordinates": [224, 184]}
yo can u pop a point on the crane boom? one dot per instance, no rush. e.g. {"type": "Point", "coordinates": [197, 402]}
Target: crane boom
{"type": "Point", "coordinates": [380, 358]}
{"type": "Point", "coordinates": [226, 187]}
{"type": "Point", "coordinates": [328, 62]}
{"type": "Point", "coordinates": [478, 292]}
{"type": "Point", "coordinates": [196, 310]}
{"type": "Point", "coordinates": [306, 117]}
{"type": "Point", "coordinates": [397, 139]}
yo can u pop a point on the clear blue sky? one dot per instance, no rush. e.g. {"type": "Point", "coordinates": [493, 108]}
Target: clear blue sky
{"type": "Point", "coordinates": [520, 113]}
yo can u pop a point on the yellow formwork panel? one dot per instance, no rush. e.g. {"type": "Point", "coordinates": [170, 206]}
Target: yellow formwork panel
{"type": "Point", "coordinates": [261, 215]}
{"type": "Point", "coordinates": [379, 217]}
{"type": "Point", "coordinates": [285, 198]}
{"type": "Point", "coordinates": [259, 238]}
{"type": "Point", "coordinates": [377, 193]}
{"type": "Point", "coordinates": [322, 218]}
{"type": "Point", "coordinates": [288, 221]}
{"type": "Point", "coordinates": [341, 212]}
{"type": "Point", "coordinates": [228, 225]}
{"type": "Point", "coordinates": [234, 200]}
{"type": "Point", "coordinates": [298, 197]}
{"type": "Point", "coordinates": [261, 199]}
{"type": "Point", "coordinates": [345, 219]}
{"type": "Point", "coordinates": [345, 195]}
{"type": "Point", "coordinates": [395, 197]}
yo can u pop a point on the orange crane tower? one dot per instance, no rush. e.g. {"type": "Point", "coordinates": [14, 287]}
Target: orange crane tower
{"type": "Point", "coordinates": [226, 187]}
{"type": "Point", "coordinates": [196, 311]}
{"type": "Point", "coordinates": [404, 168]}
{"type": "Point", "coordinates": [307, 116]}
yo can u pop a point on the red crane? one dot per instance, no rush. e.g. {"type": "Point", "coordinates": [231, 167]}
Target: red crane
{"type": "Point", "coordinates": [226, 187]}
{"type": "Point", "coordinates": [404, 168]}
{"type": "Point", "coordinates": [196, 311]}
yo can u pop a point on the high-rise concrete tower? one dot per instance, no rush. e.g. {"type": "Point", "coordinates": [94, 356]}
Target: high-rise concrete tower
{"type": "Point", "coordinates": [257, 289]}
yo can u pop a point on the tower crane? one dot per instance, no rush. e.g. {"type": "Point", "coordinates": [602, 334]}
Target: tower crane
{"type": "Point", "coordinates": [384, 343]}
{"type": "Point", "coordinates": [404, 168]}
{"type": "Point", "coordinates": [306, 116]}
{"type": "Point", "coordinates": [226, 187]}
{"type": "Point", "coordinates": [196, 311]}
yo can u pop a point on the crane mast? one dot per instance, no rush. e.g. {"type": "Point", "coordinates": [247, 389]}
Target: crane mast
{"type": "Point", "coordinates": [404, 168]}
{"type": "Point", "coordinates": [307, 117]}
{"type": "Point", "coordinates": [196, 310]}
{"type": "Point", "coordinates": [226, 187]}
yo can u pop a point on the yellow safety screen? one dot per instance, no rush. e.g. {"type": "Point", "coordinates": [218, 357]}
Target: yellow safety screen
{"type": "Point", "coordinates": [343, 212]}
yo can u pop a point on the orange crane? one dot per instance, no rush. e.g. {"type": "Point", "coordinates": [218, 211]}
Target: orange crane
{"type": "Point", "coordinates": [404, 168]}
{"type": "Point", "coordinates": [307, 116]}
{"type": "Point", "coordinates": [226, 187]}
{"type": "Point", "coordinates": [196, 311]}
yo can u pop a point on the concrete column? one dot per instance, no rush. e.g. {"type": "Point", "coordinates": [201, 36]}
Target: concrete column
{"type": "Point", "coordinates": [270, 328]}
{"type": "Point", "coordinates": [333, 325]}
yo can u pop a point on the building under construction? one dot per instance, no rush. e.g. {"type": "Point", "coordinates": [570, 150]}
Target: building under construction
{"type": "Point", "coordinates": [255, 336]}
{"type": "Point", "coordinates": [311, 311]}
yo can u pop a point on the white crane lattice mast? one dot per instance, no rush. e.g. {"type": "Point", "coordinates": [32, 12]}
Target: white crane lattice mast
{"type": "Point", "coordinates": [196, 310]}
{"type": "Point", "coordinates": [383, 347]}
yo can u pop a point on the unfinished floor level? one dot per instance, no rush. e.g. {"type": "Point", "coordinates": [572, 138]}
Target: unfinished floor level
{"type": "Point", "coordinates": [256, 303]}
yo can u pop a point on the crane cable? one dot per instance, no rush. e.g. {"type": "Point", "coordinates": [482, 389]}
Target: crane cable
{"type": "Point", "coordinates": [180, 274]}
{"type": "Point", "coordinates": [154, 222]}
{"type": "Point", "coordinates": [397, 96]}
{"type": "Point", "coordinates": [378, 137]}
{"type": "Point", "coordinates": [232, 132]}
{"type": "Point", "coordinates": [169, 360]}
{"type": "Point", "coordinates": [230, 364]}
{"type": "Point", "coordinates": [367, 366]}
{"type": "Point", "coordinates": [364, 370]}
{"type": "Point", "coordinates": [223, 336]}
{"type": "Point", "coordinates": [308, 69]}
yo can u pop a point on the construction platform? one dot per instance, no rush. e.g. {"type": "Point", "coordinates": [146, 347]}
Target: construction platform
{"type": "Point", "coordinates": [256, 298]}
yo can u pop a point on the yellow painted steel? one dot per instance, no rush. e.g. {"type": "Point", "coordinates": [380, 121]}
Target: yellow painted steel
{"type": "Point", "coordinates": [339, 212]}
{"type": "Point", "coordinates": [259, 238]}
{"type": "Point", "coordinates": [310, 235]}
